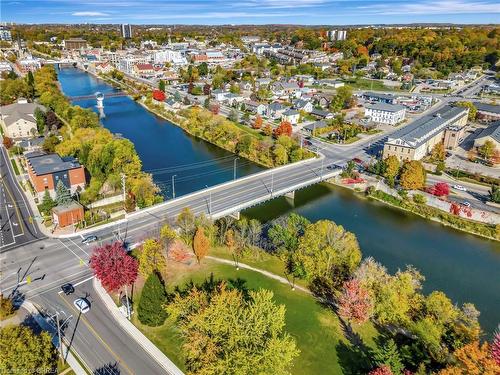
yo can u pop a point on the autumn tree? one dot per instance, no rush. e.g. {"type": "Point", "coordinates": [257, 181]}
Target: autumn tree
{"type": "Point", "coordinates": [22, 351]}
{"type": "Point", "coordinates": [6, 307]}
{"type": "Point", "coordinates": [392, 167]}
{"type": "Point", "coordinates": [438, 153]}
{"type": "Point", "coordinates": [113, 266]}
{"type": "Point", "coordinates": [227, 332]}
{"type": "Point", "coordinates": [413, 175]}
{"type": "Point", "coordinates": [257, 124]}
{"type": "Point", "coordinates": [472, 109]}
{"type": "Point", "coordinates": [186, 223]}
{"type": "Point", "coordinates": [233, 247]}
{"type": "Point", "coordinates": [150, 310]}
{"type": "Point", "coordinates": [151, 258]}
{"type": "Point", "coordinates": [440, 189]}
{"type": "Point", "coordinates": [268, 130]}
{"type": "Point", "coordinates": [473, 359]}
{"type": "Point", "coordinates": [167, 235]}
{"type": "Point", "coordinates": [382, 370]}
{"type": "Point", "coordinates": [200, 244]}
{"type": "Point", "coordinates": [355, 303]}
{"type": "Point", "coordinates": [8, 142]}
{"type": "Point", "coordinates": [284, 128]}
{"type": "Point", "coordinates": [495, 347]}
{"type": "Point", "coordinates": [487, 150]}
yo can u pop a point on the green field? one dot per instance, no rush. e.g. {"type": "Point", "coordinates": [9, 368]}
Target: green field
{"type": "Point", "coordinates": [318, 331]}
{"type": "Point", "coordinates": [368, 84]}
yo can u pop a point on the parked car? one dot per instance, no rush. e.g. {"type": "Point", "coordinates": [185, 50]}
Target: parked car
{"type": "Point", "coordinates": [459, 187]}
{"type": "Point", "coordinates": [67, 289]}
{"type": "Point", "coordinates": [466, 204]}
{"type": "Point", "coordinates": [82, 305]}
{"type": "Point", "coordinates": [89, 239]}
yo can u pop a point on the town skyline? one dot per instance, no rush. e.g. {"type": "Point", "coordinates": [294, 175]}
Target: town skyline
{"type": "Point", "coordinates": [253, 12]}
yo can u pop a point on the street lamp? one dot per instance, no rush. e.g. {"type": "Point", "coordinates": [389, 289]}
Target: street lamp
{"type": "Point", "coordinates": [272, 183]}
{"type": "Point", "coordinates": [234, 168]}
{"type": "Point", "coordinates": [209, 201]}
{"type": "Point", "coordinates": [173, 186]}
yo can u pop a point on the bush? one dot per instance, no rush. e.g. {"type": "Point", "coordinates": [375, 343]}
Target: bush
{"type": "Point", "coordinates": [150, 311]}
{"type": "Point", "coordinates": [419, 199]}
{"type": "Point", "coordinates": [6, 307]}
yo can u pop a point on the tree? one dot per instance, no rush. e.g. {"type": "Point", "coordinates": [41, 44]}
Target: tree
{"type": "Point", "coordinates": [268, 130]}
{"type": "Point", "coordinates": [234, 115]}
{"type": "Point", "coordinates": [342, 99]}
{"type": "Point", "coordinates": [159, 95]}
{"type": "Point", "coordinates": [284, 128]}
{"type": "Point", "coordinates": [257, 124]}
{"type": "Point", "coordinates": [161, 85]}
{"type": "Point", "coordinates": [472, 109]}
{"type": "Point", "coordinates": [228, 332]}
{"type": "Point", "coordinates": [440, 189]}
{"type": "Point", "coordinates": [495, 347]}
{"type": "Point", "coordinates": [392, 169]}
{"type": "Point", "coordinates": [472, 359]}
{"type": "Point", "coordinates": [151, 258]}
{"type": "Point", "coordinates": [8, 142]}
{"type": "Point", "coordinates": [185, 222]}
{"type": "Point", "coordinates": [413, 175]}
{"type": "Point", "coordinates": [47, 203]}
{"type": "Point", "coordinates": [487, 150]}
{"type": "Point", "coordinates": [150, 310]}
{"type": "Point", "coordinates": [233, 247]}
{"type": "Point", "coordinates": [6, 307]}
{"type": "Point", "coordinates": [63, 195]}
{"type": "Point", "coordinates": [388, 355]}
{"type": "Point", "coordinates": [24, 352]}
{"type": "Point", "coordinates": [203, 69]}
{"type": "Point", "coordinates": [382, 370]}
{"type": "Point", "coordinates": [214, 108]}
{"type": "Point", "coordinates": [494, 193]}
{"type": "Point", "coordinates": [438, 153]}
{"type": "Point", "coordinates": [200, 244]}
{"type": "Point", "coordinates": [113, 267]}
{"type": "Point", "coordinates": [40, 120]}
{"type": "Point", "coordinates": [50, 143]}
{"type": "Point", "coordinates": [355, 303]}
{"type": "Point", "coordinates": [167, 235]}
{"type": "Point", "coordinates": [207, 89]}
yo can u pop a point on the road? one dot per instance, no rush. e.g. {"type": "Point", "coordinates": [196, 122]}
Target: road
{"type": "Point", "coordinates": [17, 225]}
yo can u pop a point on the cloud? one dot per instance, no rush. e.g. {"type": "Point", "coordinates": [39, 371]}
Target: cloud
{"type": "Point", "coordinates": [433, 7]}
{"type": "Point", "coordinates": [89, 14]}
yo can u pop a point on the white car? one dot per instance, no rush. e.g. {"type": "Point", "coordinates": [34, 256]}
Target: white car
{"type": "Point", "coordinates": [466, 204]}
{"type": "Point", "coordinates": [82, 305]}
{"type": "Point", "coordinates": [459, 187]}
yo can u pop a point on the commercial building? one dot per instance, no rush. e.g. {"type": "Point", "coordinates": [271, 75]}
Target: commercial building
{"type": "Point", "coordinates": [46, 170]}
{"type": "Point", "coordinates": [382, 113]}
{"type": "Point", "coordinates": [67, 214]}
{"type": "Point", "coordinates": [18, 119]}
{"type": "Point", "coordinates": [126, 30]}
{"type": "Point", "coordinates": [334, 35]}
{"type": "Point", "coordinates": [170, 56]}
{"type": "Point", "coordinates": [28, 64]}
{"type": "Point", "coordinates": [379, 98]}
{"type": "Point", "coordinates": [5, 34]}
{"type": "Point", "coordinates": [487, 112]}
{"type": "Point", "coordinates": [491, 133]}
{"type": "Point", "coordinates": [417, 139]}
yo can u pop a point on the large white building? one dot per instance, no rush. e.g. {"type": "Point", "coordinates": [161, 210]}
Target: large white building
{"type": "Point", "coordinates": [383, 113]}
{"type": "Point", "coordinates": [5, 34]}
{"type": "Point", "coordinates": [170, 56]}
{"type": "Point", "coordinates": [127, 64]}
{"type": "Point", "coordinates": [334, 35]}
{"type": "Point", "coordinates": [18, 119]}
{"type": "Point", "coordinates": [126, 30]}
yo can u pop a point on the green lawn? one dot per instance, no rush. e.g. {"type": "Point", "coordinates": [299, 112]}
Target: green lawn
{"type": "Point", "coordinates": [323, 348]}
{"type": "Point", "coordinates": [368, 84]}
{"type": "Point", "coordinates": [14, 165]}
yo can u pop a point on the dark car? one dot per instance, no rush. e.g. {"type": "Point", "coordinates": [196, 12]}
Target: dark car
{"type": "Point", "coordinates": [89, 239]}
{"type": "Point", "coordinates": [67, 289]}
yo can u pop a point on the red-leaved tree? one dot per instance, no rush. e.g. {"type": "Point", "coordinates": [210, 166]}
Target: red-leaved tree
{"type": "Point", "coordinates": [355, 303]}
{"type": "Point", "coordinates": [495, 347]}
{"type": "Point", "coordinates": [257, 124]}
{"type": "Point", "coordinates": [285, 128]}
{"type": "Point", "coordinates": [382, 370]}
{"type": "Point", "coordinates": [113, 266]}
{"type": "Point", "coordinates": [158, 95]}
{"type": "Point", "coordinates": [441, 189]}
{"type": "Point", "coordinates": [7, 142]}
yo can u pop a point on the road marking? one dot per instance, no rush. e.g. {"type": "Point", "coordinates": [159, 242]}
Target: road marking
{"type": "Point", "coordinates": [15, 207]}
{"type": "Point", "coordinates": [84, 320]}
{"type": "Point", "coordinates": [82, 260]}
{"type": "Point", "coordinates": [80, 282]}
{"type": "Point", "coordinates": [74, 243]}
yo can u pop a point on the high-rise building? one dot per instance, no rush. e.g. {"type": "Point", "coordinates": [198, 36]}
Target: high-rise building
{"type": "Point", "coordinates": [334, 35]}
{"type": "Point", "coordinates": [126, 30]}
{"type": "Point", "coordinates": [5, 33]}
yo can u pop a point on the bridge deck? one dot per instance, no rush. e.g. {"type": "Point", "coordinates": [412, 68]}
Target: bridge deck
{"type": "Point", "coordinates": [93, 96]}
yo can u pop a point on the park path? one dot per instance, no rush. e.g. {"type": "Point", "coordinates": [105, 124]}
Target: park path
{"type": "Point", "coordinates": [271, 275]}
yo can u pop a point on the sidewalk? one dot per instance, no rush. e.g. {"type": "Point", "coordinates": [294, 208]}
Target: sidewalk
{"type": "Point", "coordinates": [134, 332]}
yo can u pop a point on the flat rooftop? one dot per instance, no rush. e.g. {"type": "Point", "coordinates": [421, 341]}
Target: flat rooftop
{"type": "Point", "coordinates": [51, 163]}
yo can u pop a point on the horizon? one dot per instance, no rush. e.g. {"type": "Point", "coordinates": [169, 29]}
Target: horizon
{"type": "Point", "coordinates": [253, 12]}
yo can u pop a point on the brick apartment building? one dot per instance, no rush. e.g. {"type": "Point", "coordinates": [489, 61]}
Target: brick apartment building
{"type": "Point", "coordinates": [46, 170]}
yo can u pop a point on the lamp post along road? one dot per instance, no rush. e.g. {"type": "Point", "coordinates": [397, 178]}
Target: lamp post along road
{"type": "Point", "coordinates": [173, 186]}
{"type": "Point", "coordinates": [234, 168]}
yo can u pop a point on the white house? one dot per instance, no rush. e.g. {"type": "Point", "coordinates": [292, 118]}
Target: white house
{"type": "Point", "coordinates": [219, 94]}
{"type": "Point", "coordinates": [303, 105]}
{"type": "Point", "coordinates": [275, 110]}
{"type": "Point", "coordinates": [18, 119]}
{"type": "Point", "coordinates": [254, 107]}
{"type": "Point", "coordinates": [292, 116]}
{"type": "Point", "coordinates": [385, 113]}
{"type": "Point", "coordinates": [104, 67]}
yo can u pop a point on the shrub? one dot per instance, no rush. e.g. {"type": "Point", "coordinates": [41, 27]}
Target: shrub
{"type": "Point", "coordinates": [419, 199]}
{"type": "Point", "coordinates": [6, 307]}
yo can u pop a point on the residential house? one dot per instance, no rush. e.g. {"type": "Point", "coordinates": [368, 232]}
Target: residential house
{"type": "Point", "coordinates": [144, 70]}
{"type": "Point", "coordinates": [172, 104]}
{"type": "Point", "coordinates": [384, 113]}
{"type": "Point", "coordinates": [245, 86]}
{"type": "Point", "coordinates": [291, 115]}
{"type": "Point", "coordinates": [257, 108]}
{"type": "Point", "coordinates": [491, 133]}
{"type": "Point", "coordinates": [231, 98]}
{"type": "Point", "coordinates": [32, 144]}
{"type": "Point", "coordinates": [311, 128]}
{"type": "Point", "coordinates": [46, 170]}
{"type": "Point", "coordinates": [18, 119]}
{"type": "Point", "coordinates": [417, 139]}
{"type": "Point", "coordinates": [335, 83]}
{"type": "Point", "coordinates": [275, 110]}
{"type": "Point", "coordinates": [259, 82]}
{"type": "Point", "coordinates": [303, 105]}
{"type": "Point", "coordinates": [103, 68]}
{"type": "Point", "coordinates": [219, 94]}
{"type": "Point", "coordinates": [288, 89]}
{"type": "Point", "coordinates": [320, 114]}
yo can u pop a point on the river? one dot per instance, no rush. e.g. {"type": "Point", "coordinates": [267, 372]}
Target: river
{"type": "Point", "coordinates": [465, 267]}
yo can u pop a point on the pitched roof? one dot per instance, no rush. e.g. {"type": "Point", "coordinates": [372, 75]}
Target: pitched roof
{"type": "Point", "coordinates": [487, 107]}
{"type": "Point", "coordinates": [290, 112]}
{"type": "Point", "coordinates": [492, 131]}
{"type": "Point", "coordinates": [22, 108]}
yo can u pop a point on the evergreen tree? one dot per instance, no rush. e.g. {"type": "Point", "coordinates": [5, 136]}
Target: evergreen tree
{"type": "Point", "coordinates": [388, 354]}
{"type": "Point", "coordinates": [47, 203]}
{"type": "Point", "coordinates": [150, 310]}
{"type": "Point", "coordinates": [161, 85]}
{"type": "Point", "coordinates": [63, 195]}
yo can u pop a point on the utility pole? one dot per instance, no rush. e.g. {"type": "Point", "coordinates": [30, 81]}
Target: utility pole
{"type": "Point", "coordinates": [123, 185]}
{"type": "Point", "coordinates": [321, 176]}
{"type": "Point", "coordinates": [128, 304]}
{"type": "Point", "coordinates": [209, 201]}
{"type": "Point", "coordinates": [173, 186]}
{"type": "Point", "coordinates": [272, 183]}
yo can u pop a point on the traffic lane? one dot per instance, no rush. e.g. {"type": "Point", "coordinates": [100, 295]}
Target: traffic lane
{"type": "Point", "coordinates": [6, 229]}
{"type": "Point", "coordinates": [118, 344]}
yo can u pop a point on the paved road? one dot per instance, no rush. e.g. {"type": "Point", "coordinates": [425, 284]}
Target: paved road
{"type": "Point", "coordinates": [16, 223]}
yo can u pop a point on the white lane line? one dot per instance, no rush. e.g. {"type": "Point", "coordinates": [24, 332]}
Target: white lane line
{"type": "Point", "coordinates": [82, 260]}
{"type": "Point", "coordinates": [78, 246]}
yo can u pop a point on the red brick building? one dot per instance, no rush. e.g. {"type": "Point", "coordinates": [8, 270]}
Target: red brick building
{"type": "Point", "coordinates": [46, 170]}
{"type": "Point", "coordinates": [69, 214]}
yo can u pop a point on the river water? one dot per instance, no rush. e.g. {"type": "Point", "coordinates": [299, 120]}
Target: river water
{"type": "Point", "coordinates": [465, 267]}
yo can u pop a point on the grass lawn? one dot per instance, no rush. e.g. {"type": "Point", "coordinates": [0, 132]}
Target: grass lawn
{"type": "Point", "coordinates": [317, 330]}
{"type": "Point", "coordinates": [368, 84]}
{"type": "Point", "coordinates": [14, 165]}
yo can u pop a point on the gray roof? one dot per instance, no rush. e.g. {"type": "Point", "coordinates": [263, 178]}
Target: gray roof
{"type": "Point", "coordinates": [276, 107]}
{"type": "Point", "coordinates": [290, 112]}
{"type": "Point", "coordinates": [66, 207]}
{"type": "Point", "coordinates": [51, 163]}
{"type": "Point", "coordinates": [386, 107]}
{"type": "Point", "coordinates": [316, 125]}
{"type": "Point", "coordinates": [320, 112]}
{"type": "Point", "coordinates": [37, 141]}
{"type": "Point", "coordinates": [377, 95]}
{"type": "Point", "coordinates": [300, 103]}
{"type": "Point", "coordinates": [492, 131]}
{"type": "Point", "coordinates": [425, 127]}
{"type": "Point", "coordinates": [487, 107]}
{"type": "Point", "coordinates": [13, 112]}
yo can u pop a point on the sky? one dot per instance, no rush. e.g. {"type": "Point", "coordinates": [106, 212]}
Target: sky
{"type": "Point", "coordinates": [306, 12]}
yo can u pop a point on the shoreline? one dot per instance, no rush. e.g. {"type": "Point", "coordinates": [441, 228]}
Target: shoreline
{"type": "Point", "coordinates": [431, 218]}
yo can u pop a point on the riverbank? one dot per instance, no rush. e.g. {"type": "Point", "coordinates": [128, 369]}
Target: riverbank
{"type": "Point", "coordinates": [425, 211]}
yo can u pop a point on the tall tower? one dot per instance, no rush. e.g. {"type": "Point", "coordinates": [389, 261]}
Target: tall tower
{"type": "Point", "coordinates": [126, 30]}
